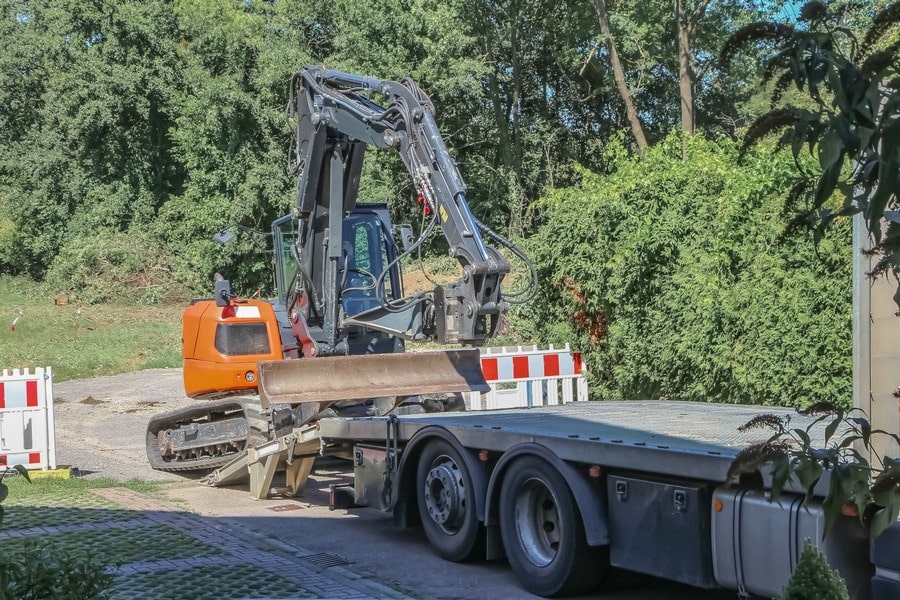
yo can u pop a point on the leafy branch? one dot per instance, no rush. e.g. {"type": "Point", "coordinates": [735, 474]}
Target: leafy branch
{"type": "Point", "coordinates": [851, 123]}
{"type": "Point", "coordinates": [791, 454]}
{"type": "Point", "coordinates": [4, 490]}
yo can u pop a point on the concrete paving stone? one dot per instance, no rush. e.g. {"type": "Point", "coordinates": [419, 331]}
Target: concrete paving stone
{"type": "Point", "coordinates": [242, 549]}
{"type": "Point", "coordinates": [277, 569]}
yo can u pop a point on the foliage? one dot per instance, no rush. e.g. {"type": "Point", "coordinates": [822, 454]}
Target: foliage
{"type": "Point", "coordinates": [166, 118]}
{"type": "Point", "coordinates": [791, 453]}
{"type": "Point", "coordinates": [851, 125]}
{"type": "Point", "coordinates": [4, 489]}
{"type": "Point", "coordinates": [113, 266]}
{"type": "Point", "coordinates": [814, 579]}
{"type": "Point", "coordinates": [39, 572]}
{"type": "Point", "coordinates": [667, 274]}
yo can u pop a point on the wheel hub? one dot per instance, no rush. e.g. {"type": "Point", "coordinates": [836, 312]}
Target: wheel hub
{"type": "Point", "coordinates": [538, 522]}
{"type": "Point", "coordinates": [445, 494]}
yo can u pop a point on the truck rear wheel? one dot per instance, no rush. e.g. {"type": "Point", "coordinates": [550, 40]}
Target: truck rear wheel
{"type": "Point", "coordinates": [543, 532]}
{"type": "Point", "coordinates": [446, 498]}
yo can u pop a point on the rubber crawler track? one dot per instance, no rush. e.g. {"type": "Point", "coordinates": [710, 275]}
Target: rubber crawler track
{"type": "Point", "coordinates": [250, 409]}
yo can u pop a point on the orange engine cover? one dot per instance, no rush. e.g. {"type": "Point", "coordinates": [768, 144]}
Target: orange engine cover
{"type": "Point", "coordinates": [221, 345]}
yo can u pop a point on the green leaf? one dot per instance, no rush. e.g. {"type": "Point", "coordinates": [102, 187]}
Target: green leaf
{"type": "Point", "coordinates": [781, 473]}
{"type": "Point", "coordinates": [808, 474]}
{"type": "Point", "coordinates": [830, 150]}
{"type": "Point", "coordinates": [884, 518]}
{"type": "Point", "coordinates": [804, 437]}
{"type": "Point", "coordinates": [832, 427]}
{"type": "Point", "coordinates": [836, 497]}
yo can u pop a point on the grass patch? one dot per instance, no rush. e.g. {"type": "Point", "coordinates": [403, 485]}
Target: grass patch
{"type": "Point", "coordinates": [71, 493]}
{"type": "Point", "coordinates": [26, 516]}
{"type": "Point", "coordinates": [119, 545]}
{"type": "Point", "coordinates": [84, 341]}
{"type": "Point", "coordinates": [241, 581]}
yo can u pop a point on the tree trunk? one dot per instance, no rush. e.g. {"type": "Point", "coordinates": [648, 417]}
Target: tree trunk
{"type": "Point", "coordinates": [619, 75]}
{"type": "Point", "coordinates": [687, 24]}
{"type": "Point", "coordinates": [685, 73]}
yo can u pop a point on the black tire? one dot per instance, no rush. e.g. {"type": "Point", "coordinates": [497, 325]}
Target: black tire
{"type": "Point", "coordinates": [446, 498]}
{"type": "Point", "coordinates": [543, 532]}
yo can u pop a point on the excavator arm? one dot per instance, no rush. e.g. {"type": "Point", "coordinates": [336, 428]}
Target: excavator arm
{"type": "Point", "coordinates": [337, 116]}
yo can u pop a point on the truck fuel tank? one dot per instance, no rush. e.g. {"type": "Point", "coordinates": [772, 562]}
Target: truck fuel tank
{"type": "Point", "coordinates": [757, 542]}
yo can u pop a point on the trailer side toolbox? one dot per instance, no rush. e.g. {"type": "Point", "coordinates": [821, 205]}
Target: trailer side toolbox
{"type": "Point", "coordinates": [661, 528]}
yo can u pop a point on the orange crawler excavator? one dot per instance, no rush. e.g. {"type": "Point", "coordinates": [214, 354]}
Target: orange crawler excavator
{"type": "Point", "coordinates": [332, 342]}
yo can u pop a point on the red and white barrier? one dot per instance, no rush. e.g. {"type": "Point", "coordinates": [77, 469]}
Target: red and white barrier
{"type": "Point", "coordinates": [27, 434]}
{"type": "Point", "coordinates": [524, 376]}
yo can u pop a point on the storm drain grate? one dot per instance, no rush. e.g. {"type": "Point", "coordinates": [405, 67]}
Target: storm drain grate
{"type": "Point", "coordinates": [326, 559]}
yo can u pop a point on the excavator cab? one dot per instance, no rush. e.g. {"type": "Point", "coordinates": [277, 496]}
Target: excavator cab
{"type": "Point", "coordinates": [367, 250]}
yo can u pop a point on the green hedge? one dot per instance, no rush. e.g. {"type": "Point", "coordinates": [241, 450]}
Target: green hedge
{"type": "Point", "coordinates": [670, 274]}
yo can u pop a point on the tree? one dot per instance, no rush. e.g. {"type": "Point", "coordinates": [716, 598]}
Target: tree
{"type": "Point", "coordinates": [665, 273]}
{"type": "Point", "coordinates": [850, 122]}
{"type": "Point", "coordinates": [619, 75]}
{"type": "Point", "coordinates": [85, 122]}
{"type": "Point", "coordinates": [686, 20]}
{"type": "Point", "coordinates": [814, 579]}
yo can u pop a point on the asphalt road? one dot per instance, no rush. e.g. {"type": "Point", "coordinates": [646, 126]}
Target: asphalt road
{"type": "Point", "coordinates": [100, 431]}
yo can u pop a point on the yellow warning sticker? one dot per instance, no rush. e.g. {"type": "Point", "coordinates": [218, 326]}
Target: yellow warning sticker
{"type": "Point", "coordinates": [443, 212]}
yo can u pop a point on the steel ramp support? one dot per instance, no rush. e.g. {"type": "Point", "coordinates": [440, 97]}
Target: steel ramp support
{"type": "Point", "coordinates": [262, 469]}
{"type": "Point", "coordinates": [229, 474]}
{"type": "Point", "coordinates": [297, 473]}
{"type": "Point", "coordinates": [265, 459]}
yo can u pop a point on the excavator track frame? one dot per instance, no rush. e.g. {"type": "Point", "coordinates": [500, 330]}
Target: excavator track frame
{"type": "Point", "coordinates": [216, 453]}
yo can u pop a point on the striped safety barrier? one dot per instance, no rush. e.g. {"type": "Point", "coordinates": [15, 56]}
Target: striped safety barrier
{"type": "Point", "coordinates": [523, 376]}
{"type": "Point", "coordinates": [27, 435]}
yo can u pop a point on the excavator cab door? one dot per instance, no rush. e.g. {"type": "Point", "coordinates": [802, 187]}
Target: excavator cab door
{"type": "Point", "coordinates": [367, 251]}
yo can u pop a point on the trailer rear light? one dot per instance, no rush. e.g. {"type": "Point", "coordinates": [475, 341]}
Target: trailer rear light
{"type": "Point", "coordinates": [483, 456]}
{"type": "Point", "coordinates": [594, 471]}
{"type": "Point", "coordinates": [850, 510]}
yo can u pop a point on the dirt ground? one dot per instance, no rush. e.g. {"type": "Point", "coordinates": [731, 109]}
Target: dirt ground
{"type": "Point", "coordinates": [100, 422]}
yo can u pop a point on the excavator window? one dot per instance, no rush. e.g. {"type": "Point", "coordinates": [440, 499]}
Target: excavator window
{"type": "Point", "coordinates": [285, 264]}
{"type": "Point", "coordinates": [365, 256]}
{"type": "Point", "coordinates": [239, 339]}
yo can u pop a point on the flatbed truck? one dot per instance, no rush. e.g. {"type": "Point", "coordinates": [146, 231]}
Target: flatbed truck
{"type": "Point", "coordinates": [568, 492]}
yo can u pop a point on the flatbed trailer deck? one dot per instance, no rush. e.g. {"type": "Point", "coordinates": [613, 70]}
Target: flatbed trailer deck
{"type": "Point", "coordinates": [684, 439]}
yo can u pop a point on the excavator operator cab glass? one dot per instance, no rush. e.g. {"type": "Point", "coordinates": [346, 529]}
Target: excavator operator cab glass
{"type": "Point", "coordinates": [366, 252]}
{"type": "Point", "coordinates": [284, 233]}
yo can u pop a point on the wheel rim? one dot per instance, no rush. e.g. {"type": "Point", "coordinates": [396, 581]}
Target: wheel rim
{"type": "Point", "coordinates": [537, 522]}
{"type": "Point", "coordinates": [445, 494]}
